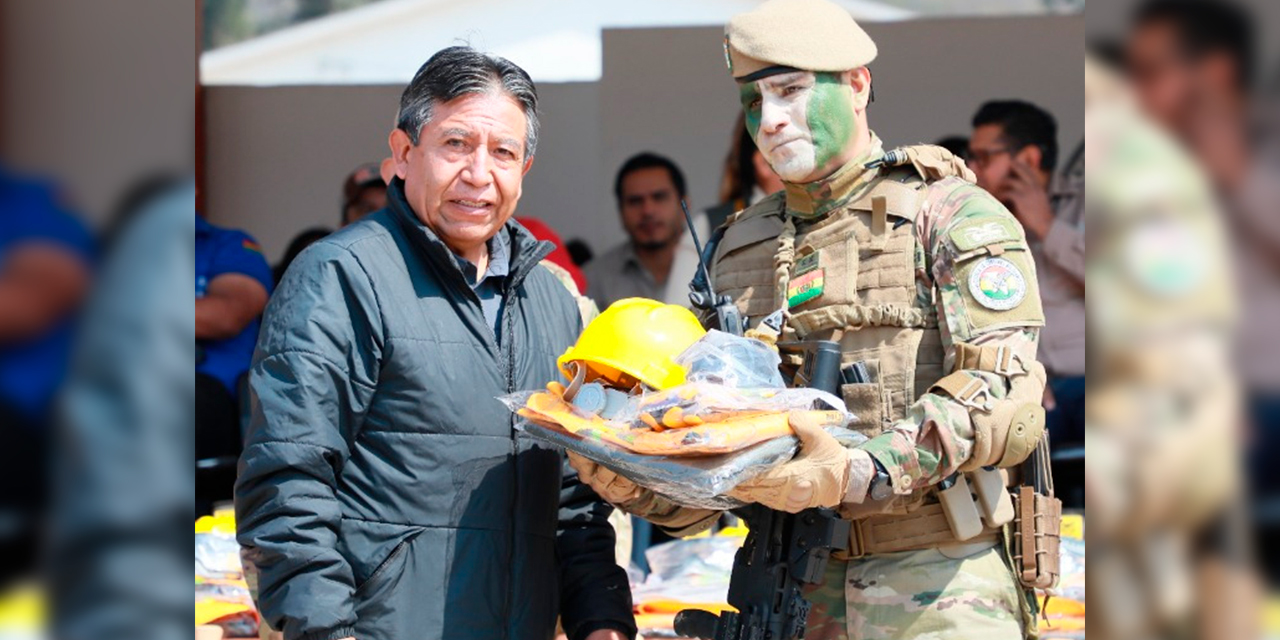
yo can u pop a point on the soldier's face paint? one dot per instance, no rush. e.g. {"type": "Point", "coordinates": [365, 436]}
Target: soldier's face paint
{"type": "Point", "coordinates": [802, 122]}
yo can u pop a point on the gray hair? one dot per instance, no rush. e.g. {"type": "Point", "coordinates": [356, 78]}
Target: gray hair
{"type": "Point", "coordinates": [458, 71]}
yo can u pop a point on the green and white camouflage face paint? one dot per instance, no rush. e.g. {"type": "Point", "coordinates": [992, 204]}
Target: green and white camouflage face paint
{"type": "Point", "coordinates": [801, 121]}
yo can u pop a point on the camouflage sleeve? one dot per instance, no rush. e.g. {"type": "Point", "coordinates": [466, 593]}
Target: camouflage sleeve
{"type": "Point", "coordinates": [975, 269]}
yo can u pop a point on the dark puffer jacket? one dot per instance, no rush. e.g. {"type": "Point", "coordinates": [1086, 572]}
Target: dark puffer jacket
{"type": "Point", "coordinates": [383, 492]}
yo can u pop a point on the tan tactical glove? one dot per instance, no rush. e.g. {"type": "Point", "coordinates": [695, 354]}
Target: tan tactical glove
{"type": "Point", "coordinates": [817, 477]}
{"type": "Point", "coordinates": [613, 488]}
{"type": "Point", "coordinates": [638, 501]}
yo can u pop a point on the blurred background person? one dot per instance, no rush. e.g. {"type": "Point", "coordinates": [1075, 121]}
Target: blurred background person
{"type": "Point", "coordinates": [746, 180]}
{"type": "Point", "coordinates": [1013, 152]}
{"type": "Point", "coordinates": [648, 189]}
{"type": "Point", "coordinates": [46, 258]}
{"type": "Point", "coordinates": [579, 251]}
{"type": "Point", "coordinates": [1167, 554]}
{"type": "Point", "coordinates": [559, 256]}
{"type": "Point", "coordinates": [1192, 65]}
{"type": "Point", "coordinates": [120, 525]}
{"type": "Point", "coordinates": [364, 191]}
{"type": "Point", "coordinates": [296, 246]}
{"type": "Point", "coordinates": [957, 145]}
{"type": "Point", "coordinates": [233, 282]}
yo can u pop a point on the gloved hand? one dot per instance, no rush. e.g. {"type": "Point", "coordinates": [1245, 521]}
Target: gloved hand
{"type": "Point", "coordinates": [610, 486]}
{"type": "Point", "coordinates": [817, 477]}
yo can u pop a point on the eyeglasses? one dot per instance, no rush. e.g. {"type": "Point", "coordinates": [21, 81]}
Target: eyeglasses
{"type": "Point", "coordinates": [982, 157]}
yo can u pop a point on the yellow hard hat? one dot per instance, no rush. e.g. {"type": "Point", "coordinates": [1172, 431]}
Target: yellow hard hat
{"type": "Point", "coordinates": [635, 339]}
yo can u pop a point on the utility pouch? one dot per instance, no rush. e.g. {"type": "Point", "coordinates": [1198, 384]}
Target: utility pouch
{"type": "Point", "coordinates": [994, 500]}
{"type": "Point", "coordinates": [1037, 524]}
{"type": "Point", "coordinates": [960, 508]}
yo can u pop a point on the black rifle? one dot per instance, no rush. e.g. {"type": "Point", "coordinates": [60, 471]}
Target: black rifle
{"type": "Point", "coordinates": [783, 551]}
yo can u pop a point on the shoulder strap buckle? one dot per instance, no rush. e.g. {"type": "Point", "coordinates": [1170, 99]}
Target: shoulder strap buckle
{"type": "Point", "coordinates": [967, 389]}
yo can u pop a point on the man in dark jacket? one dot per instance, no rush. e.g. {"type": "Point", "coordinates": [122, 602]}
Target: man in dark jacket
{"type": "Point", "coordinates": [383, 493]}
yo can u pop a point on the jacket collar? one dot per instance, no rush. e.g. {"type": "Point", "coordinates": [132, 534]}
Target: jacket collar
{"type": "Point", "coordinates": [525, 250]}
{"type": "Point", "coordinates": [820, 197]}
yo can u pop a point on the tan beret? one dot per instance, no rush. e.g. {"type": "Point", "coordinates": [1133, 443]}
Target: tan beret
{"type": "Point", "coordinates": [813, 35]}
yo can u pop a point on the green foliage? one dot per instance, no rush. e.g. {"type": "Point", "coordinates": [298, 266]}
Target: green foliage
{"type": "Point", "coordinates": [230, 21]}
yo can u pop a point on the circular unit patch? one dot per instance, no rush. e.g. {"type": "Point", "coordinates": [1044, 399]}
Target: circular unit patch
{"type": "Point", "coordinates": [1164, 258]}
{"type": "Point", "coordinates": [997, 284]}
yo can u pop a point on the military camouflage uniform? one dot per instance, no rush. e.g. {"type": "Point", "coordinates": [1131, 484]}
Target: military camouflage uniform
{"type": "Point", "coordinates": [1163, 308]}
{"type": "Point", "coordinates": [898, 294]}
{"type": "Point", "coordinates": [924, 279]}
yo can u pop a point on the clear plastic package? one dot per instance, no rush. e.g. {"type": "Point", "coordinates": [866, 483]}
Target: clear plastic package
{"type": "Point", "coordinates": [693, 419]}
{"type": "Point", "coordinates": [692, 570]}
{"type": "Point", "coordinates": [733, 361]}
{"type": "Point", "coordinates": [699, 482]}
{"type": "Point", "coordinates": [691, 443]}
{"type": "Point", "coordinates": [686, 574]}
{"type": "Point", "coordinates": [217, 556]}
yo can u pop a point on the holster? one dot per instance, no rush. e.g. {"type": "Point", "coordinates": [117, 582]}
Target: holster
{"type": "Point", "coordinates": [1037, 524]}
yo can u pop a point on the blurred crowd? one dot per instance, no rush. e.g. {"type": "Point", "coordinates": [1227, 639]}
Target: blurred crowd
{"type": "Point", "coordinates": [1181, 156]}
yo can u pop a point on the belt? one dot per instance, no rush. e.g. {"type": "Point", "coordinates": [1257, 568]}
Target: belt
{"type": "Point", "coordinates": [924, 528]}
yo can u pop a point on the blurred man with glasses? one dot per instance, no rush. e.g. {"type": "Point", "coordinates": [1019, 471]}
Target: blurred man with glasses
{"type": "Point", "coordinates": [1013, 151]}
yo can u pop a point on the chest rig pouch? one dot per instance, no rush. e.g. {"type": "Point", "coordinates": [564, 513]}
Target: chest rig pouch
{"type": "Point", "coordinates": [872, 303]}
{"type": "Point", "coordinates": [850, 277]}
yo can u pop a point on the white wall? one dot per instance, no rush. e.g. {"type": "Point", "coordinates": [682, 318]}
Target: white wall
{"type": "Point", "coordinates": [277, 156]}
{"type": "Point", "coordinates": [670, 92]}
{"type": "Point", "coordinates": [97, 94]}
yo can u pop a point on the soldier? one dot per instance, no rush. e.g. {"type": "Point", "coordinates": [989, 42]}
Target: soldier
{"type": "Point", "coordinates": [925, 279]}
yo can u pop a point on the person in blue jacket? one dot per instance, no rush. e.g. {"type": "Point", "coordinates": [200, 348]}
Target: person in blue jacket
{"type": "Point", "coordinates": [233, 281]}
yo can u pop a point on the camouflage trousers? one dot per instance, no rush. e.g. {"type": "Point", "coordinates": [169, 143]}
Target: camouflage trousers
{"type": "Point", "coordinates": [924, 595]}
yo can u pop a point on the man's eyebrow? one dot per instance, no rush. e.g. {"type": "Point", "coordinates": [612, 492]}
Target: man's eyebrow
{"type": "Point", "coordinates": [783, 78]}
{"type": "Point", "coordinates": [455, 131]}
{"type": "Point", "coordinates": [508, 141]}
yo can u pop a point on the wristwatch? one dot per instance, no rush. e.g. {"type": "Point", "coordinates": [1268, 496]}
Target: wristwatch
{"type": "Point", "coordinates": [880, 487]}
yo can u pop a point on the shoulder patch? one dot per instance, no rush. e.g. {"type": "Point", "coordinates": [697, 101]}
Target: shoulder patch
{"type": "Point", "coordinates": [997, 283]}
{"type": "Point", "coordinates": [967, 235]}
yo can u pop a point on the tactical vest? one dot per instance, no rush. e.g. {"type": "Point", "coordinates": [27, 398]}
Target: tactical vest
{"type": "Point", "coordinates": [867, 257]}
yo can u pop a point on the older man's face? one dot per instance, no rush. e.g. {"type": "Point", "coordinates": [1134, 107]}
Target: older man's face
{"type": "Point", "coordinates": [802, 122]}
{"type": "Point", "coordinates": [463, 177]}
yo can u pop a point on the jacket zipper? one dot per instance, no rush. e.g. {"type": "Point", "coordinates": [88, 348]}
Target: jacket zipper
{"type": "Point", "coordinates": [509, 356]}
{"type": "Point", "coordinates": [507, 353]}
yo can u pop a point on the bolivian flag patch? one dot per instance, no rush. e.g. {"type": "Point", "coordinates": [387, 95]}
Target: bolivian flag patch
{"type": "Point", "coordinates": [804, 288]}
{"type": "Point", "coordinates": [250, 245]}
